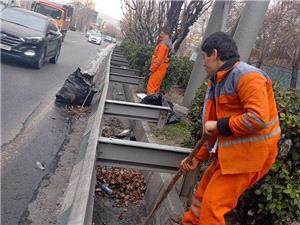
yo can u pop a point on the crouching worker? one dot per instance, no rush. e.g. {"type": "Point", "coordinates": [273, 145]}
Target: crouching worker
{"type": "Point", "coordinates": [240, 117]}
{"type": "Point", "coordinates": [159, 63]}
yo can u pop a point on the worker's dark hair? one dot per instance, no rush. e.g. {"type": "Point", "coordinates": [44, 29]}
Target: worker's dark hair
{"type": "Point", "coordinates": [223, 43]}
{"type": "Point", "coordinates": [165, 30]}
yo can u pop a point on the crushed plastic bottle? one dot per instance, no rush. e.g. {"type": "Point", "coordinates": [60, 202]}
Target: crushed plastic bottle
{"type": "Point", "coordinates": [106, 189]}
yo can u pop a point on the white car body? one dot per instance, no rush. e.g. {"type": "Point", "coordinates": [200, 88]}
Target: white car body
{"type": "Point", "coordinates": [95, 38]}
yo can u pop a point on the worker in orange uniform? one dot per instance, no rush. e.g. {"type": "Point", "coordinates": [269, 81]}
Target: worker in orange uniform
{"type": "Point", "coordinates": [159, 63]}
{"type": "Point", "coordinates": [241, 119]}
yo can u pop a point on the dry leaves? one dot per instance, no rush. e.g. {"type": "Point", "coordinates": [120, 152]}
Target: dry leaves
{"type": "Point", "coordinates": [127, 185]}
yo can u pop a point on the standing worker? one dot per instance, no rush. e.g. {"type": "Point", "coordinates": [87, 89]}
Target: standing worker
{"type": "Point", "coordinates": [159, 63]}
{"type": "Point", "coordinates": [241, 119]}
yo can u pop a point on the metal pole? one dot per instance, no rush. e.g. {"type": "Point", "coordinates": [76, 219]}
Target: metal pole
{"type": "Point", "coordinates": [249, 24]}
{"type": "Point", "coordinates": [216, 23]}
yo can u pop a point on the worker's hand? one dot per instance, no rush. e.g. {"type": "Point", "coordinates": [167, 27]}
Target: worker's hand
{"type": "Point", "coordinates": [185, 166]}
{"type": "Point", "coordinates": [210, 128]}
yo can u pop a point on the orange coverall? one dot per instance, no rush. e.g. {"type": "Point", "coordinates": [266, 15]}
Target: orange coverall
{"type": "Point", "coordinates": [241, 99]}
{"type": "Point", "coordinates": [159, 64]}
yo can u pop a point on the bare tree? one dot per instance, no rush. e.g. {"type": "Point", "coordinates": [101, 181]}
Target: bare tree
{"type": "Point", "coordinates": [82, 11]}
{"type": "Point", "coordinates": [278, 41]}
{"type": "Point", "coordinates": [144, 19]}
{"type": "Point", "coordinates": [189, 16]}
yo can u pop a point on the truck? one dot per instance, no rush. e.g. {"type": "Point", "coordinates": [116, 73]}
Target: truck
{"type": "Point", "coordinates": [61, 13]}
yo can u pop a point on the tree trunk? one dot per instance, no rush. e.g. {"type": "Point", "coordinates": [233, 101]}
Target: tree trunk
{"type": "Point", "coordinates": [295, 68]}
{"type": "Point", "coordinates": [294, 76]}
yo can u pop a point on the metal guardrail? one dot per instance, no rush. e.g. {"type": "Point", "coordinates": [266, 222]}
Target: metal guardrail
{"type": "Point", "coordinates": [136, 111]}
{"type": "Point", "coordinates": [116, 62]}
{"type": "Point", "coordinates": [126, 79]}
{"type": "Point", "coordinates": [77, 208]}
{"type": "Point", "coordinates": [125, 71]}
{"type": "Point", "coordinates": [141, 155]}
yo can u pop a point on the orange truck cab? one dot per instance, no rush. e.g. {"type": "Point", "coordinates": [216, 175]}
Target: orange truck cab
{"type": "Point", "coordinates": [62, 14]}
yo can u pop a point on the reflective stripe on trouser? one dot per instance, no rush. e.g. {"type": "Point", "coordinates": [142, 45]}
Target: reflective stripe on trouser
{"type": "Point", "coordinates": [219, 193]}
{"type": "Point", "coordinates": [155, 80]}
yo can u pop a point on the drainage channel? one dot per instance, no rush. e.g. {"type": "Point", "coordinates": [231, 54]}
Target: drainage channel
{"type": "Point", "coordinates": [119, 174]}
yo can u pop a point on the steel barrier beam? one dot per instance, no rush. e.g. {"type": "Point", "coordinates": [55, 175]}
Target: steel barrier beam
{"type": "Point", "coordinates": [120, 70]}
{"type": "Point", "coordinates": [119, 63]}
{"type": "Point", "coordinates": [118, 55]}
{"type": "Point", "coordinates": [136, 111]}
{"type": "Point", "coordinates": [118, 58]}
{"type": "Point", "coordinates": [123, 78]}
{"type": "Point", "coordinates": [141, 155]}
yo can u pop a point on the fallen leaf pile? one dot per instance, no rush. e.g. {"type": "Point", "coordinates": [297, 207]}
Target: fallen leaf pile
{"type": "Point", "coordinates": [112, 127]}
{"type": "Point", "coordinates": [127, 185]}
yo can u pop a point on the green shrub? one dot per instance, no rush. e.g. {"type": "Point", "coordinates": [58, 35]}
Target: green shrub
{"type": "Point", "coordinates": [276, 198]}
{"type": "Point", "coordinates": [195, 115]}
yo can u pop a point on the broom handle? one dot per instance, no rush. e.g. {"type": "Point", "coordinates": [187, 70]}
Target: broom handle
{"type": "Point", "coordinates": [175, 179]}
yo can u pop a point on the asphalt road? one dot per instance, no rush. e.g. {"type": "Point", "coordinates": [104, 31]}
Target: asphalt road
{"type": "Point", "coordinates": [33, 129]}
{"type": "Point", "coordinates": [23, 88]}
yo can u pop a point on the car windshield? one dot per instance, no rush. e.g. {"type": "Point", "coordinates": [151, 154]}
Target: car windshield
{"type": "Point", "coordinates": [49, 11]}
{"type": "Point", "coordinates": [95, 34]}
{"type": "Point", "coordinates": [23, 18]}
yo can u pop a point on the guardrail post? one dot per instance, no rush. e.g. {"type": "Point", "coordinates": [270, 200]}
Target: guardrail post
{"type": "Point", "coordinates": [163, 117]}
{"type": "Point", "coordinates": [188, 184]}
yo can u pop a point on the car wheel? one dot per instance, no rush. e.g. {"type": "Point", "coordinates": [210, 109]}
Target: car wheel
{"type": "Point", "coordinates": [54, 59]}
{"type": "Point", "coordinates": [38, 64]}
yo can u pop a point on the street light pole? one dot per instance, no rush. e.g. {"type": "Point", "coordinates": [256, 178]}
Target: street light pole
{"type": "Point", "coordinates": [216, 23]}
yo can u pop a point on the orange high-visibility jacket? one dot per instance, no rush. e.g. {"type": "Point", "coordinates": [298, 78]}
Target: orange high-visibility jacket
{"type": "Point", "coordinates": [160, 54]}
{"type": "Point", "coordinates": [241, 99]}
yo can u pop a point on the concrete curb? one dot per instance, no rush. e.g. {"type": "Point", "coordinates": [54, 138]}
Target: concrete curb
{"type": "Point", "coordinates": [77, 207]}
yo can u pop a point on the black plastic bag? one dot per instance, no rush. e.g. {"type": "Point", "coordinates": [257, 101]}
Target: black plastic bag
{"type": "Point", "coordinates": [158, 99]}
{"type": "Point", "coordinates": [76, 89]}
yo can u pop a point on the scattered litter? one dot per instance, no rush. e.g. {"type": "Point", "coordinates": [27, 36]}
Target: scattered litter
{"type": "Point", "coordinates": [285, 147]}
{"type": "Point", "coordinates": [158, 99]}
{"type": "Point", "coordinates": [141, 95]}
{"type": "Point", "coordinates": [127, 185]}
{"type": "Point", "coordinates": [106, 188]}
{"type": "Point", "coordinates": [123, 134]}
{"type": "Point", "coordinates": [40, 165]}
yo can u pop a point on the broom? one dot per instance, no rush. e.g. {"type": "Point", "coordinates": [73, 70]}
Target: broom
{"type": "Point", "coordinates": [172, 183]}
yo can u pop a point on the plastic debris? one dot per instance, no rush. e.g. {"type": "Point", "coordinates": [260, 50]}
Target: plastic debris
{"type": "Point", "coordinates": [106, 189]}
{"type": "Point", "coordinates": [158, 99]}
{"type": "Point", "coordinates": [40, 165]}
{"type": "Point", "coordinates": [77, 90]}
{"type": "Point", "coordinates": [141, 95]}
{"type": "Point", "coordinates": [123, 134]}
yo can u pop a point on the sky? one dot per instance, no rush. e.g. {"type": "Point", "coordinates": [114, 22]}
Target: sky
{"type": "Point", "coordinates": [110, 7]}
